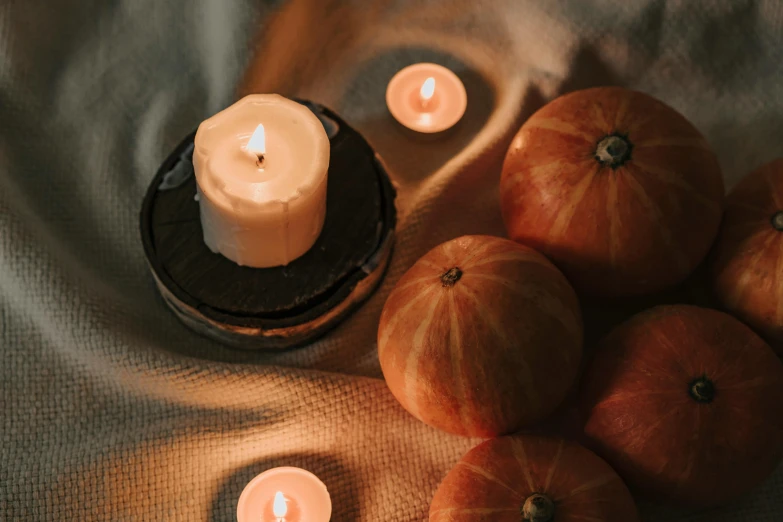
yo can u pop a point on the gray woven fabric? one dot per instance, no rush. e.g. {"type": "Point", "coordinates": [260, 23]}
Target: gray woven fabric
{"type": "Point", "coordinates": [110, 408]}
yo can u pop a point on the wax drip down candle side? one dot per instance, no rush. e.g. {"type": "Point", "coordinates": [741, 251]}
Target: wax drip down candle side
{"type": "Point", "coordinates": [261, 171]}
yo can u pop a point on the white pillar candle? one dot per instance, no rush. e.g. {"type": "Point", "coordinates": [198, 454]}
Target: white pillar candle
{"type": "Point", "coordinates": [261, 170]}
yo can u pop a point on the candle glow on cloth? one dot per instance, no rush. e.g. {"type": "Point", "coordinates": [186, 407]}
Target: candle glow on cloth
{"type": "Point", "coordinates": [261, 171]}
{"type": "Point", "coordinates": [284, 495]}
{"type": "Point", "coordinates": [426, 97]}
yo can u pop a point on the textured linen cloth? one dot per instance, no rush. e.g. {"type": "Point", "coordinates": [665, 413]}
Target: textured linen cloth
{"type": "Point", "coordinates": [110, 408]}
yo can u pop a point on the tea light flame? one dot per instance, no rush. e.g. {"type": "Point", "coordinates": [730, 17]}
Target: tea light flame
{"type": "Point", "coordinates": [279, 507]}
{"type": "Point", "coordinates": [257, 144]}
{"type": "Point", "coordinates": [427, 90]}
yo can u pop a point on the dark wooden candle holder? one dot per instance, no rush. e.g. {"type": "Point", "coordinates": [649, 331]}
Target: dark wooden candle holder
{"type": "Point", "coordinates": [282, 307]}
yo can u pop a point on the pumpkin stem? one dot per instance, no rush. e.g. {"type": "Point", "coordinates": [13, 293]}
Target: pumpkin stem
{"type": "Point", "coordinates": [538, 508]}
{"type": "Point", "coordinates": [702, 390]}
{"type": "Point", "coordinates": [777, 221]}
{"type": "Point", "coordinates": [613, 150]}
{"type": "Point", "coordinates": [451, 276]}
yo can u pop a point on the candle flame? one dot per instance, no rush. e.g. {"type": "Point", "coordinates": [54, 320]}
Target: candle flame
{"type": "Point", "coordinates": [257, 143]}
{"type": "Point", "coordinates": [279, 507]}
{"type": "Point", "coordinates": [427, 89]}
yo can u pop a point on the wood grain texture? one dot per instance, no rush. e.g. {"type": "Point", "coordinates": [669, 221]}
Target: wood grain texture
{"type": "Point", "coordinates": [281, 307]}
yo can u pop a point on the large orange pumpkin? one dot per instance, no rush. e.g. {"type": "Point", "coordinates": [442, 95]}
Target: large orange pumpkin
{"type": "Point", "coordinates": [686, 403]}
{"type": "Point", "coordinates": [615, 187]}
{"type": "Point", "coordinates": [532, 479]}
{"type": "Point", "coordinates": [480, 337]}
{"type": "Point", "coordinates": [748, 256]}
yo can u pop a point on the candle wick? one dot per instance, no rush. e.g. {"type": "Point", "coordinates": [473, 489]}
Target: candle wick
{"type": "Point", "coordinates": [260, 161]}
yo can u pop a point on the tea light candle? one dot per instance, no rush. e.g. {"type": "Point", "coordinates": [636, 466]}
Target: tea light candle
{"type": "Point", "coordinates": [426, 98]}
{"type": "Point", "coordinates": [284, 495]}
{"type": "Point", "coordinates": [261, 170]}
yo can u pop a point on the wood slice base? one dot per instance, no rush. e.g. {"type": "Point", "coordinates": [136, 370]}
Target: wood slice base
{"type": "Point", "coordinates": [283, 307]}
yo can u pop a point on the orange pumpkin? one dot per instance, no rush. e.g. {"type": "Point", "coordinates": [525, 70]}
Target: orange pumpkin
{"type": "Point", "coordinates": [748, 256]}
{"type": "Point", "coordinates": [686, 403]}
{"type": "Point", "coordinates": [480, 337]}
{"type": "Point", "coordinates": [618, 189]}
{"type": "Point", "coordinates": [532, 479]}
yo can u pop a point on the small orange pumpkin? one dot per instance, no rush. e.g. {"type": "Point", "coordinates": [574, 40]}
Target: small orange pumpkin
{"type": "Point", "coordinates": [527, 478]}
{"type": "Point", "coordinates": [617, 188]}
{"type": "Point", "coordinates": [480, 337]}
{"type": "Point", "coordinates": [686, 403]}
{"type": "Point", "coordinates": [747, 262]}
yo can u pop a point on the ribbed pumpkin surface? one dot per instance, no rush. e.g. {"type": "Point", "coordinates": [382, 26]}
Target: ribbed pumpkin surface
{"type": "Point", "coordinates": [686, 403]}
{"type": "Point", "coordinates": [617, 188]}
{"type": "Point", "coordinates": [480, 337]}
{"type": "Point", "coordinates": [532, 479]}
{"type": "Point", "coordinates": [748, 256]}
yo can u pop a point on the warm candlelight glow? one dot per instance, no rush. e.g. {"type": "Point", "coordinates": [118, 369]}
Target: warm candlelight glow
{"type": "Point", "coordinates": [257, 144]}
{"type": "Point", "coordinates": [262, 203]}
{"type": "Point", "coordinates": [279, 508]}
{"type": "Point", "coordinates": [427, 90]}
{"type": "Point", "coordinates": [413, 101]}
{"type": "Point", "coordinates": [305, 500]}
